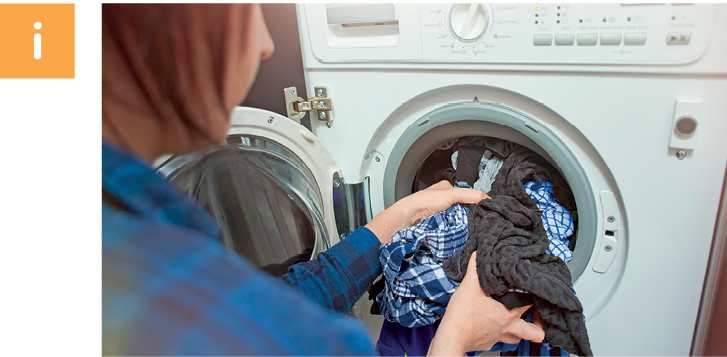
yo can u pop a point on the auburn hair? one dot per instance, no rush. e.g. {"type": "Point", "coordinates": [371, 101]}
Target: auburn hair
{"type": "Point", "coordinates": [172, 51]}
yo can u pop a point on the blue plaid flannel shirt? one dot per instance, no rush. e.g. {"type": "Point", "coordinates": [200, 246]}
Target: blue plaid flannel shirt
{"type": "Point", "coordinates": [558, 222]}
{"type": "Point", "coordinates": [170, 288]}
{"type": "Point", "coordinates": [417, 290]}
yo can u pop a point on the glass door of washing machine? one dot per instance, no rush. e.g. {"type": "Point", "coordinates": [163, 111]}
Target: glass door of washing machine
{"type": "Point", "coordinates": [272, 188]}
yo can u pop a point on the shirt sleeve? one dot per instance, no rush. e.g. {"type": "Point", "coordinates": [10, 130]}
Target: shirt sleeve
{"type": "Point", "coordinates": [340, 275]}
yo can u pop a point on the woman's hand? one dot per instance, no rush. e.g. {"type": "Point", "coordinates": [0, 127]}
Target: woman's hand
{"type": "Point", "coordinates": [415, 207]}
{"type": "Point", "coordinates": [475, 321]}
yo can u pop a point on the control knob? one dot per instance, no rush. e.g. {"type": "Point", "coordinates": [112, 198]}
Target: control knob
{"type": "Point", "coordinates": [468, 22]}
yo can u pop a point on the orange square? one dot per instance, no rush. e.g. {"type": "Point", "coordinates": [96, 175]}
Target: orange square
{"type": "Point", "coordinates": [46, 31]}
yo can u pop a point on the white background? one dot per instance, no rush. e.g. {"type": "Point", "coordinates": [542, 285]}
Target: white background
{"type": "Point", "coordinates": [50, 197]}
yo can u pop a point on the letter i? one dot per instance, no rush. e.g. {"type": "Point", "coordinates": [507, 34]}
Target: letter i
{"type": "Point", "coordinates": [36, 41]}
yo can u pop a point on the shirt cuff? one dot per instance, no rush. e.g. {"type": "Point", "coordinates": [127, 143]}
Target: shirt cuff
{"type": "Point", "coordinates": [359, 253]}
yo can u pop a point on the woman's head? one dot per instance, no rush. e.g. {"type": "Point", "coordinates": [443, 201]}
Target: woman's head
{"type": "Point", "coordinates": [173, 72]}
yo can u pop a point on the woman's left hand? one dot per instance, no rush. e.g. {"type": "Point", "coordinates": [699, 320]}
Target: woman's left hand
{"type": "Point", "coordinates": [415, 207]}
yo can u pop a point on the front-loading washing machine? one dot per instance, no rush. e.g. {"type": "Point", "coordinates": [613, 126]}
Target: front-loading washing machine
{"type": "Point", "coordinates": [627, 101]}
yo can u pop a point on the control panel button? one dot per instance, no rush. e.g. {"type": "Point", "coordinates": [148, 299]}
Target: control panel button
{"type": "Point", "coordinates": [634, 39]}
{"type": "Point", "coordinates": [678, 38]}
{"type": "Point", "coordinates": [542, 40]}
{"type": "Point", "coordinates": [589, 39]}
{"type": "Point", "coordinates": [610, 39]}
{"type": "Point", "coordinates": [564, 40]}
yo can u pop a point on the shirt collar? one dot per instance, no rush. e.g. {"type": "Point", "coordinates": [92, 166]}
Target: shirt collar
{"type": "Point", "coordinates": [142, 191]}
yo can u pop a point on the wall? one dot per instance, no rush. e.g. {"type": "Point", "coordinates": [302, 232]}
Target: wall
{"type": "Point", "coordinates": [284, 68]}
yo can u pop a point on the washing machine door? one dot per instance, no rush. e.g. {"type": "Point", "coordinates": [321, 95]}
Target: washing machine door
{"type": "Point", "coordinates": [273, 189]}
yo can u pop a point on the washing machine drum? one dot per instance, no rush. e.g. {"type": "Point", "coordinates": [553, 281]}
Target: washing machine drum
{"type": "Point", "coordinates": [263, 199]}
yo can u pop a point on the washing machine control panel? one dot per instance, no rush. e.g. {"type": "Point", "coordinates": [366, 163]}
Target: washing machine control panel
{"type": "Point", "coordinates": [512, 33]}
{"type": "Point", "coordinates": [565, 33]}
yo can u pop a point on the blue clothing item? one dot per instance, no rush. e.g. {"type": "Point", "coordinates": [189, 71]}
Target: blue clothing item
{"type": "Point", "coordinates": [557, 220]}
{"type": "Point", "coordinates": [397, 340]}
{"type": "Point", "coordinates": [417, 290]}
{"type": "Point", "coordinates": [170, 288]}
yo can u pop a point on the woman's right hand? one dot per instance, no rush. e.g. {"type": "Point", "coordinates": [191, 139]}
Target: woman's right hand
{"type": "Point", "coordinates": [415, 207]}
{"type": "Point", "coordinates": [474, 321]}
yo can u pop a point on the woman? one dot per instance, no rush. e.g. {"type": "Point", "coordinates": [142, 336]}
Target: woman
{"type": "Point", "coordinates": [171, 76]}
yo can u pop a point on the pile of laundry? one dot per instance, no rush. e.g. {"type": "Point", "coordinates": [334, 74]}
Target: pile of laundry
{"type": "Point", "coordinates": [521, 237]}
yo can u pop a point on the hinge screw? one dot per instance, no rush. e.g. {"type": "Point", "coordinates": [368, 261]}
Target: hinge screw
{"type": "Point", "coordinates": [320, 92]}
{"type": "Point", "coordinates": [329, 124]}
{"type": "Point", "coordinates": [322, 115]}
{"type": "Point", "coordinates": [271, 120]}
{"type": "Point", "coordinates": [336, 182]}
{"type": "Point", "coordinates": [292, 91]}
{"type": "Point", "coordinates": [321, 104]}
{"type": "Point", "coordinates": [681, 154]}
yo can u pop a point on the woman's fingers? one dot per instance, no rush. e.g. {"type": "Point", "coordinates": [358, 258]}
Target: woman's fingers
{"type": "Point", "coordinates": [467, 195]}
{"type": "Point", "coordinates": [527, 331]}
{"type": "Point", "coordinates": [459, 195]}
{"type": "Point", "coordinates": [441, 185]}
{"type": "Point", "coordinates": [475, 321]}
{"type": "Point", "coordinates": [471, 273]}
{"type": "Point", "coordinates": [418, 206]}
{"type": "Point", "coordinates": [520, 311]}
{"type": "Point", "coordinates": [510, 339]}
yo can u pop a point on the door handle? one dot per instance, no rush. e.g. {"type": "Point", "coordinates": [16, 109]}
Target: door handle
{"type": "Point", "coordinates": [611, 218]}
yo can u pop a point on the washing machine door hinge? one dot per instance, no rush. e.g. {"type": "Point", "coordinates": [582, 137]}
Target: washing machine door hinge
{"type": "Point", "coordinates": [351, 205]}
{"type": "Point", "coordinates": [297, 106]}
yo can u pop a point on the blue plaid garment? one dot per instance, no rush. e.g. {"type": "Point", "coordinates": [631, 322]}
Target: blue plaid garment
{"type": "Point", "coordinates": [558, 222]}
{"type": "Point", "coordinates": [417, 290]}
{"type": "Point", "coordinates": [169, 287]}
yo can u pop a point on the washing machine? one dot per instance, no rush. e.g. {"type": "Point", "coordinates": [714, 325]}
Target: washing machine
{"type": "Point", "coordinates": [627, 101]}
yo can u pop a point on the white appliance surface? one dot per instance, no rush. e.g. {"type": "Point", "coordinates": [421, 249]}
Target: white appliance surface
{"type": "Point", "coordinates": [612, 104]}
